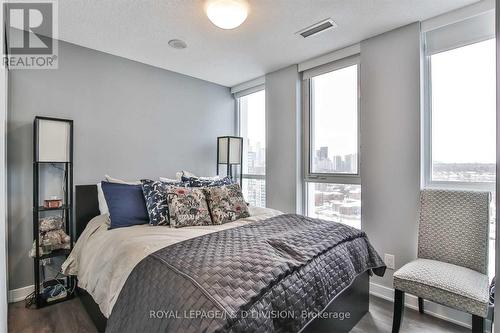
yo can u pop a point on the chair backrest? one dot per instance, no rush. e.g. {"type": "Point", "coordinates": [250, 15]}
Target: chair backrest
{"type": "Point", "coordinates": [454, 227]}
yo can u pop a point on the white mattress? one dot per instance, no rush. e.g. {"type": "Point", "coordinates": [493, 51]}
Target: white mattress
{"type": "Point", "coordinates": [102, 259]}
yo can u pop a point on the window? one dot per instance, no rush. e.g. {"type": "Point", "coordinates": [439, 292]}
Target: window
{"type": "Point", "coordinates": [334, 122]}
{"type": "Point", "coordinates": [459, 119]}
{"type": "Point", "coordinates": [463, 114]}
{"type": "Point", "coordinates": [331, 154]}
{"type": "Point", "coordinates": [252, 127]}
{"type": "Point", "coordinates": [337, 202]}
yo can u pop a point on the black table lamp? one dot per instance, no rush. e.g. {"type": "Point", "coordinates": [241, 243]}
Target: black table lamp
{"type": "Point", "coordinates": [230, 153]}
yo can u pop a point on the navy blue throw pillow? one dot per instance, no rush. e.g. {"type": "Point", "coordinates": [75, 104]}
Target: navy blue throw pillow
{"type": "Point", "coordinates": [155, 194]}
{"type": "Point", "coordinates": [126, 204]}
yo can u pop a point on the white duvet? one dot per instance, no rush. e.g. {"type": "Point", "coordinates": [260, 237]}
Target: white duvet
{"type": "Point", "coordinates": [102, 259]}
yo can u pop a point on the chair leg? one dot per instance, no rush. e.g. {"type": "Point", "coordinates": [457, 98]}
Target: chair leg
{"type": "Point", "coordinates": [399, 305]}
{"type": "Point", "coordinates": [420, 305]}
{"type": "Point", "coordinates": [477, 324]}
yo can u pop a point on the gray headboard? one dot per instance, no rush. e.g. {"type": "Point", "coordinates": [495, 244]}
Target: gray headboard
{"type": "Point", "coordinates": [86, 207]}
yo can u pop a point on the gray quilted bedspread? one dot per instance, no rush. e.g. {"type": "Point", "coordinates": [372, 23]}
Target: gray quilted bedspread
{"type": "Point", "coordinates": [255, 278]}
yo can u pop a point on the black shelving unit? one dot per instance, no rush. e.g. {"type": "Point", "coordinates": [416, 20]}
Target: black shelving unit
{"type": "Point", "coordinates": [66, 212]}
{"type": "Point", "coordinates": [229, 165]}
{"type": "Point", "coordinates": [44, 209]}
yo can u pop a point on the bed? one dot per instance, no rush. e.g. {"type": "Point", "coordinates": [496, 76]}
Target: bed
{"type": "Point", "coordinates": [108, 265]}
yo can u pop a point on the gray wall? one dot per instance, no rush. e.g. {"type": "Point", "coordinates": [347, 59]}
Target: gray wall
{"type": "Point", "coordinates": [3, 197]}
{"type": "Point", "coordinates": [131, 121]}
{"type": "Point", "coordinates": [283, 140]}
{"type": "Point", "coordinates": [390, 139]}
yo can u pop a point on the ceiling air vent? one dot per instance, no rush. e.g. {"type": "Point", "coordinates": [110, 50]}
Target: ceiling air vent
{"type": "Point", "coordinates": [317, 28]}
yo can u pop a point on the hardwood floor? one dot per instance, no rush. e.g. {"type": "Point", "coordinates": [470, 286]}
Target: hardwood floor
{"type": "Point", "coordinates": [70, 317]}
{"type": "Point", "coordinates": [65, 317]}
{"type": "Point", "coordinates": [380, 320]}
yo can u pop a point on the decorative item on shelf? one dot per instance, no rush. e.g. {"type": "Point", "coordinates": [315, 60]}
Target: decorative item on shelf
{"type": "Point", "coordinates": [230, 153]}
{"type": "Point", "coordinates": [52, 235]}
{"type": "Point", "coordinates": [52, 202]}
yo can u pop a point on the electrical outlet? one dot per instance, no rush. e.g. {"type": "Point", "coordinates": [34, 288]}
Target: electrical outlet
{"type": "Point", "coordinates": [389, 261]}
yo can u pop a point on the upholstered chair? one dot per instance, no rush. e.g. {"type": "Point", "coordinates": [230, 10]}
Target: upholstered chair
{"type": "Point", "coordinates": [452, 264]}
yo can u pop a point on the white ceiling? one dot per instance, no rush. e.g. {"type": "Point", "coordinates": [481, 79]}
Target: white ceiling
{"type": "Point", "coordinates": [140, 30]}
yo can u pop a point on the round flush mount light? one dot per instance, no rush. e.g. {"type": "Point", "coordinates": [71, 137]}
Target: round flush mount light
{"type": "Point", "coordinates": [227, 14]}
{"type": "Point", "coordinates": [177, 44]}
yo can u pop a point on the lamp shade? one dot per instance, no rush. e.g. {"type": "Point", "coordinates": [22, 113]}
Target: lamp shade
{"type": "Point", "coordinates": [230, 149]}
{"type": "Point", "coordinates": [53, 140]}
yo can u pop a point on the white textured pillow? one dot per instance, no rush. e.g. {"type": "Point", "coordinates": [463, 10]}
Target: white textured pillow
{"type": "Point", "coordinates": [119, 181]}
{"type": "Point", "coordinates": [103, 206]}
{"type": "Point", "coordinates": [169, 180]}
{"type": "Point", "coordinates": [186, 174]}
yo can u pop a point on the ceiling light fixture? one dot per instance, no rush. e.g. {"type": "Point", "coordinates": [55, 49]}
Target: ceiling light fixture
{"type": "Point", "coordinates": [177, 44]}
{"type": "Point", "coordinates": [227, 14]}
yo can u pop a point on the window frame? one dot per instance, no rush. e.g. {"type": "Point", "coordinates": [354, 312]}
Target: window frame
{"type": "Point", "coordinates": [426, 131]}
{"type": "Point", "coordinates": [334, 178]}
{"type": "Point", "coordinates": [310, 178]}
{"type": "Point", "coordinates": [237, 97]}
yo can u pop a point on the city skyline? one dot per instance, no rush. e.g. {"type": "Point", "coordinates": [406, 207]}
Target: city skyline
{"type": "Point", "coordinates": [322, 163]}
{"type": "Point", "coordinates": [255, 157]}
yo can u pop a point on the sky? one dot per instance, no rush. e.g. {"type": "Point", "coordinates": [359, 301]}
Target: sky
{"type": "Point", "coordinates": [256, 122]}
{"type": "Point", "coordinates": [253, 123]}
{"type": "Point", "coordinates": [463, 104]}
{"type": "Point", "coordinates": [335, 111]}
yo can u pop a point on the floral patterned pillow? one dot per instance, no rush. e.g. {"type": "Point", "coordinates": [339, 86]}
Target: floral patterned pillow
{"type": "Point", "coordinates": [226, 203]}
{"type": "Point", "coordinates": [187, 207]}
{"type": "Point", "coordinates": [155, 195]}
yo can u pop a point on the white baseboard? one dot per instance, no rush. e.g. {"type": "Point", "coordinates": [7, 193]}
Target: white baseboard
{"type": "Point", "coordinates": [17, 295]}
{"type": "Point", "coordinates": [432, 309]}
